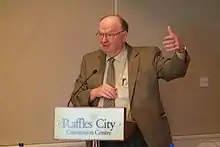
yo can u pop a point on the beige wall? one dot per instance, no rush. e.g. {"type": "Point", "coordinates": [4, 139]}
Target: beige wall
{"type": "Point", "coordinates": [42, 42]}
{"type": "Point", "coordinates": [41, 46]}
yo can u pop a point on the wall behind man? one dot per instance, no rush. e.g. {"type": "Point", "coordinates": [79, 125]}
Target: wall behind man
{"type": "Point", "coordinates": [41, 44]}
{"type": "Point", "coordinates": [191, 109]}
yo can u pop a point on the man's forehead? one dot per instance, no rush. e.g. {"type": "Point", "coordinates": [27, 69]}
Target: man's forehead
{"type": "Point", "coordinates": [107, 27]}
{"type": "Point", "coordinates": [110, 23]}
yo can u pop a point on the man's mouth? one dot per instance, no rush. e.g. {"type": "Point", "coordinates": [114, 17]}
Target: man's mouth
{"type": "Point", "coordinates": [105, 45]}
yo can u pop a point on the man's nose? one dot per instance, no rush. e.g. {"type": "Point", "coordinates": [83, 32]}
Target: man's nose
{"type": "Point", "coordinates": [104, 38]}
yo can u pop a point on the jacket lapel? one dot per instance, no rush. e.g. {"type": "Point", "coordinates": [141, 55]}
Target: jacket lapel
{"type": "Point", "coordinates": [100, 73]}
{"type": "Point", "coordinates": [133, 67]}
{"type": "Point", "coordinates": [101, 69]}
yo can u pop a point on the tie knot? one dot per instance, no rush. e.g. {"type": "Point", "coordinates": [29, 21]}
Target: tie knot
{"type": "Point", "coordinates": [111, 60]}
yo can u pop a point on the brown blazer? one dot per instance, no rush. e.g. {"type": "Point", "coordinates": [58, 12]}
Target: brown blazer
{"type": "Point", "coordinates": [145, 66]}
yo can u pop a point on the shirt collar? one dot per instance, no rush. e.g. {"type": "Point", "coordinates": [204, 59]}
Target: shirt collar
{"type": "Point", "coordinates": [120, 57]}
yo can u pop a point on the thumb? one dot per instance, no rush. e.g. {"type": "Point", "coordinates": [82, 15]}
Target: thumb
{"type": "Point", "coordinates": [170, 30]}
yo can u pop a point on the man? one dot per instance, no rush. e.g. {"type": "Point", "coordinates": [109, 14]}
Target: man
{"type": "Point", "coordinates": [128, 77]}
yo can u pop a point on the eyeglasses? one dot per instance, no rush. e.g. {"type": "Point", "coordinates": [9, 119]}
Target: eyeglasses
{"type": "Point", "coordinates": [108, 36]}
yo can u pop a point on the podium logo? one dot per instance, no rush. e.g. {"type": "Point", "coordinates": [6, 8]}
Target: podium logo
{"type": "Point", "coordinates": [78, 123]}
{"type": "Point", "coordinates": [81, 126]}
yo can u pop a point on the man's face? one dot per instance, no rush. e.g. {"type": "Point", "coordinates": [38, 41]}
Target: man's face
{"type": "Point", "coordinates": [111, 36]}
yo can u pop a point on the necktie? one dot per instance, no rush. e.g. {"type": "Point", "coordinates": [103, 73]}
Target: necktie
{"type": "Point", "coordinates": [111, 81]}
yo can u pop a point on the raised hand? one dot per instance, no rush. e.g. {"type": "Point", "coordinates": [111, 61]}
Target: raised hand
{"type": "Point", "coordinates": [172, 42]}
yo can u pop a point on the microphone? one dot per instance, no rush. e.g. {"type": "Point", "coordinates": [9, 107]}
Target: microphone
{"type": "Point", "coordinates": [93, 72]}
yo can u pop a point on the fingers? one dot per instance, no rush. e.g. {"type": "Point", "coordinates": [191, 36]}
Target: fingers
{"type": "Point", "coordinates": [167, 42]}
{"type": "Point", "coordinates": [170, 31]}
{"type": "Point", "coordinates": [108, 92]}
{"type": "Point", "coordinates": [170, 46]}
{"type": "Point", "coordinates": [171, 41]}
{"type": "Point", "coordinates": [169, 37]}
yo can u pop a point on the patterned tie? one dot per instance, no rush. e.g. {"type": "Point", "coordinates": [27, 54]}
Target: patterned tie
{"type": "Point", "coordinates": [111, 81]}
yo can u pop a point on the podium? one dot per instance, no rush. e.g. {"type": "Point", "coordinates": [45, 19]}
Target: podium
{"type": "Point", "coordinates": [89, 124]}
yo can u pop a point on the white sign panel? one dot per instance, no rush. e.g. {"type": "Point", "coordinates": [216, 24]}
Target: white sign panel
{"type": "Point", "coordinates": [88, 123]}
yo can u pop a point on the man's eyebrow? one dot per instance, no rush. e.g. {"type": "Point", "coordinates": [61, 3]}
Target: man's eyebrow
{"type": "Point", "coordinates": [106, 32]}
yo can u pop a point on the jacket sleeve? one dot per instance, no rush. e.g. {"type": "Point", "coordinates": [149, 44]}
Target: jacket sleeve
{"type": "Point", "coordinates": [81, 97]}
{"type": "Point", "coordinates": [170, 68]}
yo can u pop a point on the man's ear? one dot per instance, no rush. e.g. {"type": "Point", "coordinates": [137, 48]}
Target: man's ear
{"type": "Point", "coordinates": [125, 36]}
